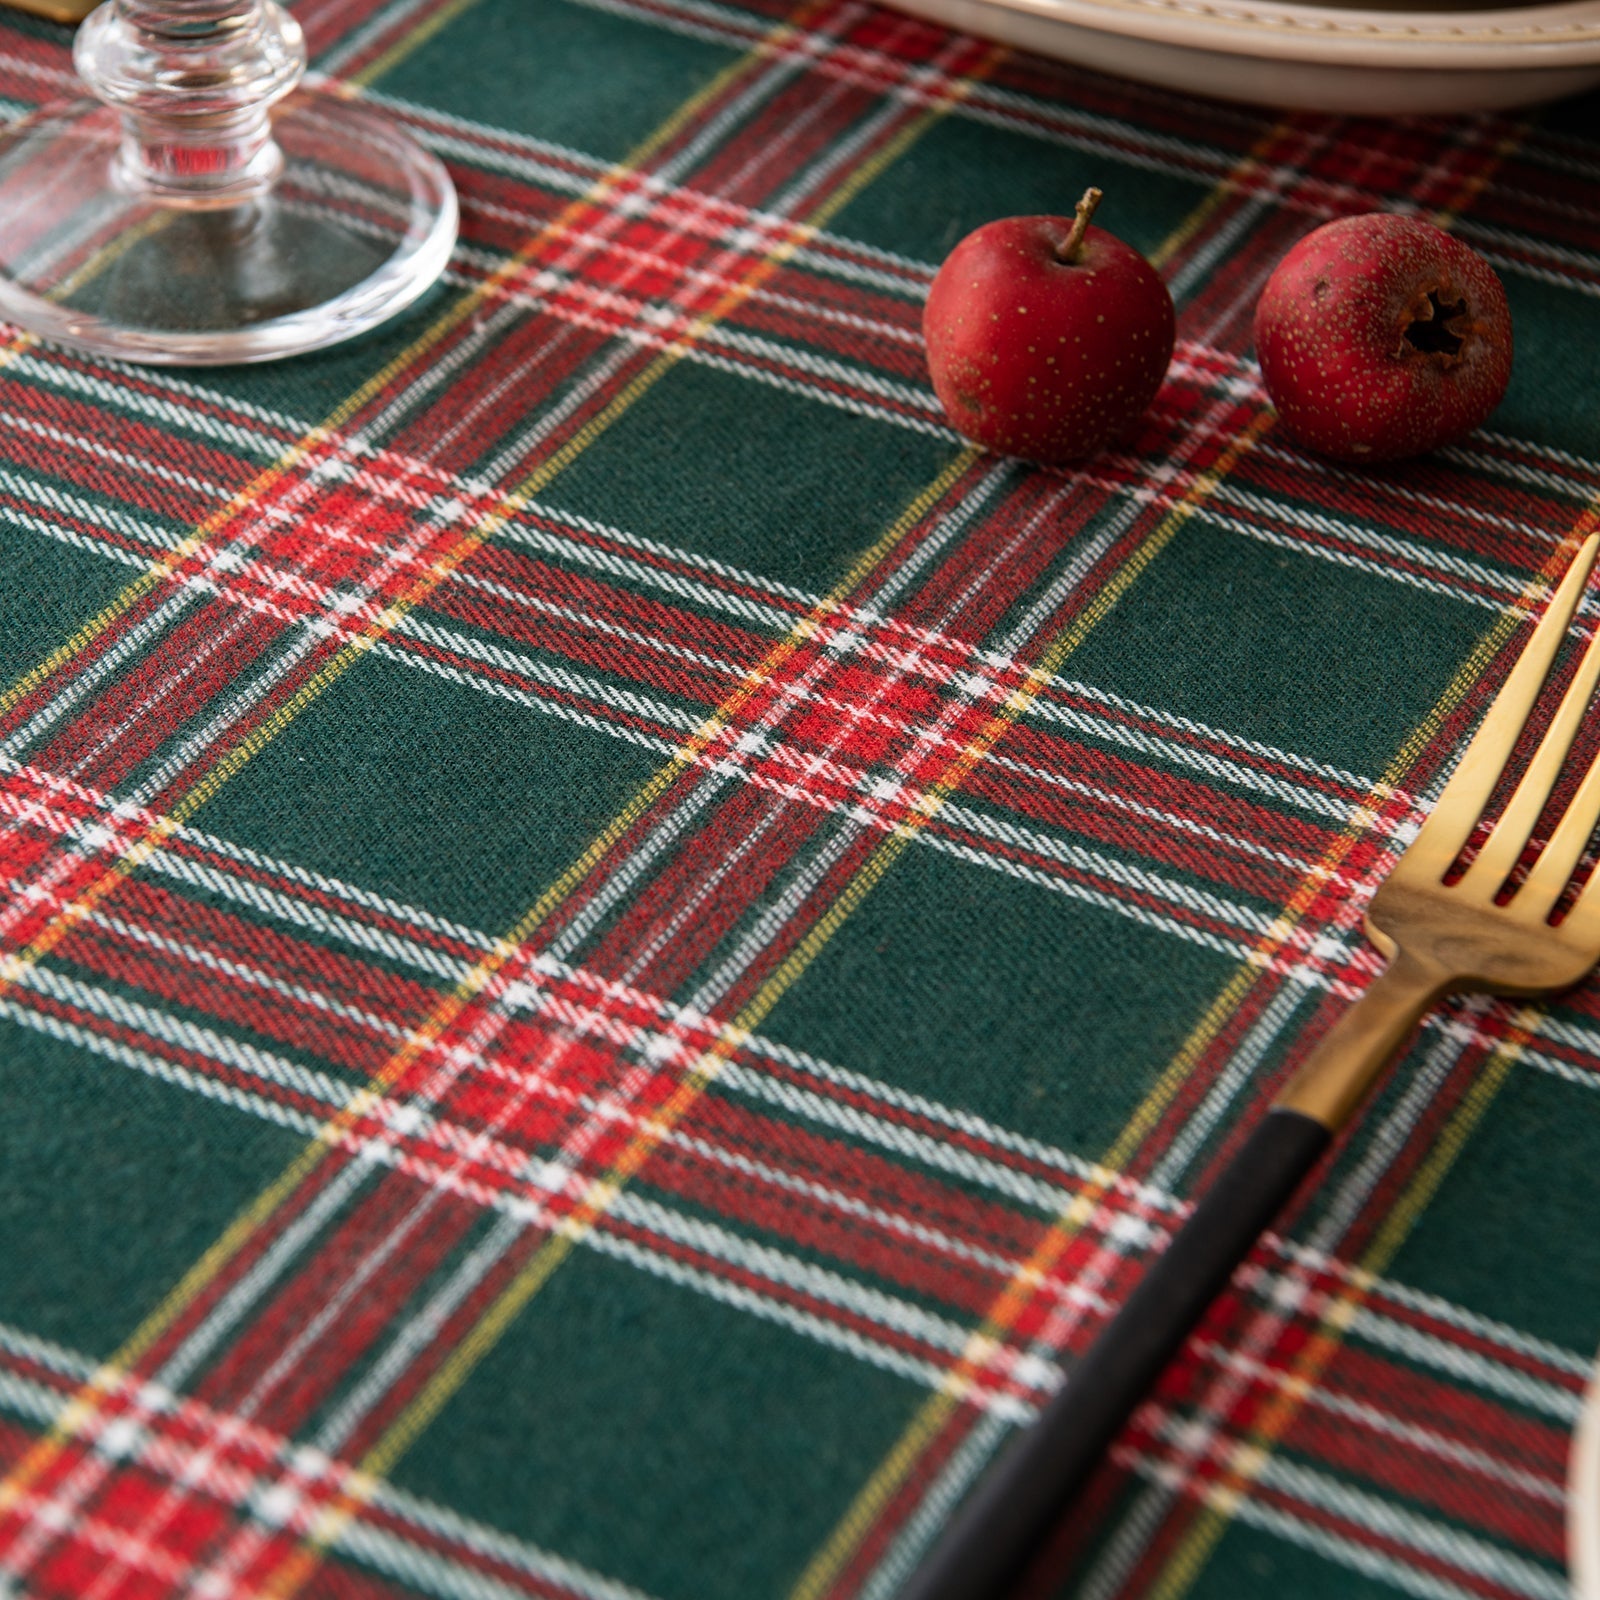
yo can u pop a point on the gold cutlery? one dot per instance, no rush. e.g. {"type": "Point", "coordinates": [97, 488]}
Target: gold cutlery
{"type": "Point", "coordinates": [1483, 929]}
{"type": "Point", "coordinates": [55, 10]}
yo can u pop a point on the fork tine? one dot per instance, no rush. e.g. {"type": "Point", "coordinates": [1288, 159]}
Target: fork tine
{"type": "Point", "coordinates": [1459, 807]}
{"type": "Point", "coordinates": [1581, 924]}
{"type": "Point", "coordinates": [1558, 860]}
{"type": "Point", "coordinates": [1515, 827]}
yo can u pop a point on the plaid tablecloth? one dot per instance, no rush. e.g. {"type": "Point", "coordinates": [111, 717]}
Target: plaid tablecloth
{"type": "Point", "coordinates": [615, 948]}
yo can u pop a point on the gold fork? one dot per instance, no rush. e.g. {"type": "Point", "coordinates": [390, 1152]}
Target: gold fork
{"type": "Point", "coordinates": [55, 10]}
{"type": "Point", "coordinates": [1440, 937]}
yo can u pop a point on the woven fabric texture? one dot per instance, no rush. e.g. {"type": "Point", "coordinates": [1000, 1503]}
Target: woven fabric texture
{"type": "Point", "coordinates": [615, 948]}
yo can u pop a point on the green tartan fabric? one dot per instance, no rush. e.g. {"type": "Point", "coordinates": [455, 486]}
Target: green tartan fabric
{"type": "Point", "coordinates": [614, 949]}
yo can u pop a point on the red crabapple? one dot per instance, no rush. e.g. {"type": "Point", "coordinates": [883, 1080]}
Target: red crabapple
{"type": "Point", "coordinates": [1047, 338]}
{"type": "Point", "coordinates": [1381, 336]}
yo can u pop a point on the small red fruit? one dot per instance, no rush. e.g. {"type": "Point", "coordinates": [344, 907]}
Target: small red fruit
{"type": "Point", "coordinates": [1380, 337]}
{"type": "Point", "coordinates": [1047, 338]}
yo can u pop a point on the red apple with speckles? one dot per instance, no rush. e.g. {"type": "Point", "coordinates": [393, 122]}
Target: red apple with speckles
{"type": "Point", "coordinates": [1381, 337]}
{"type": "Point", "coordinates": [1047, 338]}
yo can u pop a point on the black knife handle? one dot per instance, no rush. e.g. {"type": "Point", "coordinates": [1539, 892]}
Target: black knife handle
{"type": "Point", "coordinates": [1001, 1526]}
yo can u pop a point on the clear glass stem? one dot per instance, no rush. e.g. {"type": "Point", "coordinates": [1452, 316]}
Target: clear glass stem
{"type": "Point", "coordinates": [195, 81]}
{"type": "Point", "coordinates": [196, 211]}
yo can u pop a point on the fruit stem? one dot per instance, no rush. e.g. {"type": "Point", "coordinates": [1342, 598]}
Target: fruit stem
{"type": "Point", "coordinates": [1071, 247]}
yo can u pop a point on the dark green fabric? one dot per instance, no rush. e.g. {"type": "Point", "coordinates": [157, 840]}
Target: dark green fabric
{"type": "Point", "coordinates": [572, 973]}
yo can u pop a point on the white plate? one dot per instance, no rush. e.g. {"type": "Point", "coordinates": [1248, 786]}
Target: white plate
{"type": "Point", "coordinates": [1583, 1498]}
{"type": "Point", "coordinates": [1314, 58]}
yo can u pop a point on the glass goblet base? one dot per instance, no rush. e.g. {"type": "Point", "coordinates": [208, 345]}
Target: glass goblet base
{"type": "Point", "coordinates": [357, 226]}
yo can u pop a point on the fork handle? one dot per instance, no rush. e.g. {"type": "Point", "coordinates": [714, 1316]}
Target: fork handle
{"type": "Point", "coordinates": [1004, 1522]}
{"type": "Point", "coordinates": [1335, 1077]}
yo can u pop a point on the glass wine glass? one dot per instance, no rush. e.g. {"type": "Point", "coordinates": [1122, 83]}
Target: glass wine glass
{"type": "Point", "coordinates": [204, 207]}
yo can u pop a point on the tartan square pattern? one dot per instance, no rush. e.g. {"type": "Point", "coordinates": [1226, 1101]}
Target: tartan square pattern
{"type": "Point", "coordinates": [88, 1255]}
{"type": "Point", "coordinates": [1056, 1030]}
{"type": "Point", "coordinates": [1254, 632]}
{"type": "Point", "coordinates": [411, 753]}
{"type": "Point", "coordinates": [636, 1355]}
{"type": "Point", "coordinates": [1526, 1163]}
{"type": "Point", "coordinates": [752, 475]}
{"type": "Point", "coordinates": [615, 950]}
{"type": "Point", "coordinates": [1554, 323]}
{"type": "Point", "coordinates": [972, 169]}
{"type": "Point", "coordinates": [53, 588]}
{"type": "Point", "coordinates": [596, 82]}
